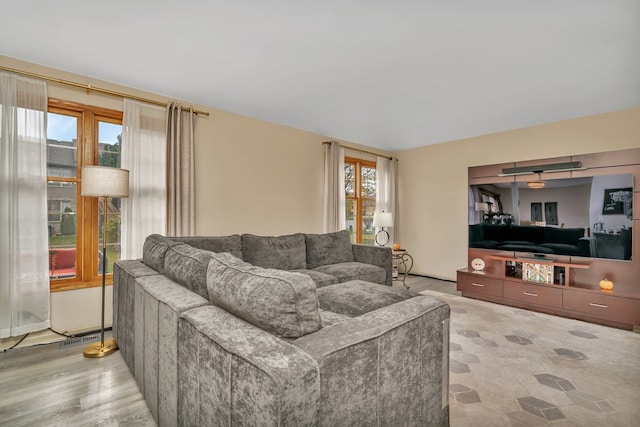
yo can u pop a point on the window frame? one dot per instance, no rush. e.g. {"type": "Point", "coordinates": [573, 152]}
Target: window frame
{"type": "Point", "coordinates": [359, 199]}
{"type": "Point", "coordinates": [491, 197]}
{"type": "Point", "coordinates": [87, 220]}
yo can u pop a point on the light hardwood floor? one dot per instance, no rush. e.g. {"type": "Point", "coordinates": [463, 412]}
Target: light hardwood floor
{"type": "Point", "coordinates": [46, 385]}
{"type": "Point", "coordinates": [51, 386]}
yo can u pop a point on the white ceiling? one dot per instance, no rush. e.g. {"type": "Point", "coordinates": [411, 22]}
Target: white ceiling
{"type": "Point", "coordinates": [387, 74]}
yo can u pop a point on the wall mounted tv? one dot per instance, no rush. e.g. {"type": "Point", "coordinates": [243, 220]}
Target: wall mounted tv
{"type": "Point", "coordinates": [585, 217]}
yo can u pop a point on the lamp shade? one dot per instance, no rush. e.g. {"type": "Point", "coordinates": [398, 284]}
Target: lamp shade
{"type": "Point", "coordinates": [535, 184]}
{"type": "Point", "coordinates": [99, 181]}
{"type": "Point", "coordinates": [382, 219]}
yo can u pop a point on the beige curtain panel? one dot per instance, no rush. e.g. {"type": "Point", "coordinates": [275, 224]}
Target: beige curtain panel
{"type": "Point", "coordinates": [180, 171]}
{"type": "Point", "coordinates": [334, 217]}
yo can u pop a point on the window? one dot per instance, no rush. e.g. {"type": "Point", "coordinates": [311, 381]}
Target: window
{"type": "Point", "coordinates": [80, 135]}
{"type": "Point", "coordinates": [492, 198]}
{"type": "Point", "coordinates": [360, 195]}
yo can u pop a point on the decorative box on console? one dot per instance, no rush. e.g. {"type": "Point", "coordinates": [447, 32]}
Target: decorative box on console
{"type": "Point", "coordinates": [540, 273]}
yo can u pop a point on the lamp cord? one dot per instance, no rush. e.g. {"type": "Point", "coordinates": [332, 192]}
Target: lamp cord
{"type": "Point", "coordinates": [83, 334]}
{"type": "Point", "coordinates": [29, 333]}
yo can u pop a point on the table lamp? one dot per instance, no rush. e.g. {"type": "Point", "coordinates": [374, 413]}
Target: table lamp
{"type": "Point", "coordinates": [382, 220]}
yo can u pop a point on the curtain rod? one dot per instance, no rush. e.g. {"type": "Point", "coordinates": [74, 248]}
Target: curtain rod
{"type": "Point", "coordinates": [93, 88]}
{"type": "Point", "coordinates": [362, 151]}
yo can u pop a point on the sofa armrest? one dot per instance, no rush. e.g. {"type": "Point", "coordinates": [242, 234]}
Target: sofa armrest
{"type": "Point", "coordinates": [125, 273]}
{"type": "Point", "coordinates": [376, 255]}
{"type": "Point", "coordinates": [231, 370]}
{"type": "Point", "coordinates": [386, 365]}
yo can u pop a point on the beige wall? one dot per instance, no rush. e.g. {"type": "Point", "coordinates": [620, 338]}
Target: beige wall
{"type": "Point", "coordinates": [241, 185]}
{"type": "Point", "coordinates": [252, 176]}
{"type": "Point", "coordinates": [433, 179]}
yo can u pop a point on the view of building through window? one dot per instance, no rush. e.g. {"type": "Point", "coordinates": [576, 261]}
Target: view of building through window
{"type": "Point", "coordinates": [360, 194]}
{"type": "Point", "coordinates": [62, 165]}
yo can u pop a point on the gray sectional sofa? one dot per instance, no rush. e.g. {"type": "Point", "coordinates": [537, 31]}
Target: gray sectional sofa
{"type": "Point", "coordinates": [247, 330]}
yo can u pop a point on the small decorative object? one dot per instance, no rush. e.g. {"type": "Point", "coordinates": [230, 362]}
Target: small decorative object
{"type": "Point", "coordinates": [396, 246]}
{"type": "Point", "coordinates": [606, 284]}
{"type": "Point", "coordinates": [477, 264]}
{"type": "Point", "coordinates": [541, 273]}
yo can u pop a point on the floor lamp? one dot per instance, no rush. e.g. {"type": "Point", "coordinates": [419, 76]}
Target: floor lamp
{"type": "Point", "coordinates": [105, 182]}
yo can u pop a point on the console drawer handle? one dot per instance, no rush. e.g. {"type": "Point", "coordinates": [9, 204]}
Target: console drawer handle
{"type": "Point", "coordinates": [593, 304]}
{"type": "Point", "coordinates": [531, 294]}
{"type": "Point", "coordinates": [477, 284]}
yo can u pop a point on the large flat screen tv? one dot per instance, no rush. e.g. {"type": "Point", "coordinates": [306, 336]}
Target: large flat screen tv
{"type": "Point", "coordinates": [584, 217]}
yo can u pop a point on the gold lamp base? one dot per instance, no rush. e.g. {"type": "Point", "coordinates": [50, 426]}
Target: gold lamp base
{"type": "Point", "coordinates": [100, 349]}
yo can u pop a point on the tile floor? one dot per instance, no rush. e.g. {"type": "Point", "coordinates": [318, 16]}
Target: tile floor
{"type": "Point", "coordinates": [512, 367]}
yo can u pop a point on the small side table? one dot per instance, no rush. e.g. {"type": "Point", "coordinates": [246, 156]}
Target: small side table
{"type": "Point", "coordinates": [402, 264]}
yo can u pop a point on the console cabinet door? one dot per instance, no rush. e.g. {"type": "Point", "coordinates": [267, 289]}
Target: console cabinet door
{"type": "Point", "coordinates": [602, 306]}
{"type": "Point", "coordinates": [531, 293]}
{"type": "Point", "coordinates": [474, 283]}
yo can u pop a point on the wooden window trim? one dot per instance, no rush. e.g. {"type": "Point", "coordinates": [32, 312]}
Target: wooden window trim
{"type": "Point", "coordinates": [358, 164]}
{"type": "Point", "coordinates": [88, 117]}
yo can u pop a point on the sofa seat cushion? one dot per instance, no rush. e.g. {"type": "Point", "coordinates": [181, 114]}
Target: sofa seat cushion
{"type": "Point", "coordinates": [357, 297]}
{"type": "Point", "coordinates": [526, 248]}
{"type": "Point", "coordinates": [346, 271]}
{"type": "Point", "coordinates": [517, 242]}
{"type": "Point", "coordinates": [280, 302]}
{"type": "Point", "coordinates": [485, 244]}
{"type": "Point", "coordinates": [329, 248]}
{"type": "Point", "coordinates": [154, 250]}
{"type": "Point", "coordinates": [330, 318]}
{"type": "Point", "coordinates": [187, 266]}
{"type": "Point", "coordinates": [231, 244]}
{"type": "Point", "coordinates": [563, 249]}
{"type": "Point", "coordinates": [319, 278]}
{"type": "Point", "coordinates": [280, 252]}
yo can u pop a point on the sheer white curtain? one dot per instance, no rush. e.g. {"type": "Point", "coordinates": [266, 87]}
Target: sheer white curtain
{"type": "Point", "coordinates": [181, 208]}
{"type": "Point", "coordinates": [144, 154]}
{"type": "Point", "coordinates": [475, 217]}
{"type": "Point", "coordinates": [24, 256]}
{"type": "Point", "coordinates": [334, 214]}
{"type": "Point", "coordinates": [386, 189]}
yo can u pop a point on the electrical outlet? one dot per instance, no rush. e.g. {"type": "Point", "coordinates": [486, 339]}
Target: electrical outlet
{"type": "Point", "coordinates": [600, 219]}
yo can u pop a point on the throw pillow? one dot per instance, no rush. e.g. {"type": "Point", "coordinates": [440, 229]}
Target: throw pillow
{"type": "Point", "coordinates": [328, 248]}
{"type": "Point", "coordinates": [187, 266]}
{"type": "Point", "coordinates": [280, 302]}
{"type": "Point", "coordinates": [154, 251]}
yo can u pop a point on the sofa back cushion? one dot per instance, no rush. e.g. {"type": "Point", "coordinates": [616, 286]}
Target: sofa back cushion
{"type": "Point", "coordinates": [328, 248]}
{"type": "Point", "coordinates": [527, 233]}
{"type": "Point", "coordinates": [154, 251]}
{"type": "Point", "coordinates": [187, 266]}
{"type": "Point", "coordinates": [497, 232]}
{"type": "Point", "coordinates": [280, 302]}
{"type": "Point", "coordinates": [232, 243]}
{"type": "Point", "coordinates": [567, 236]}
{"type": "Point", "coordinates": [279, 252]}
